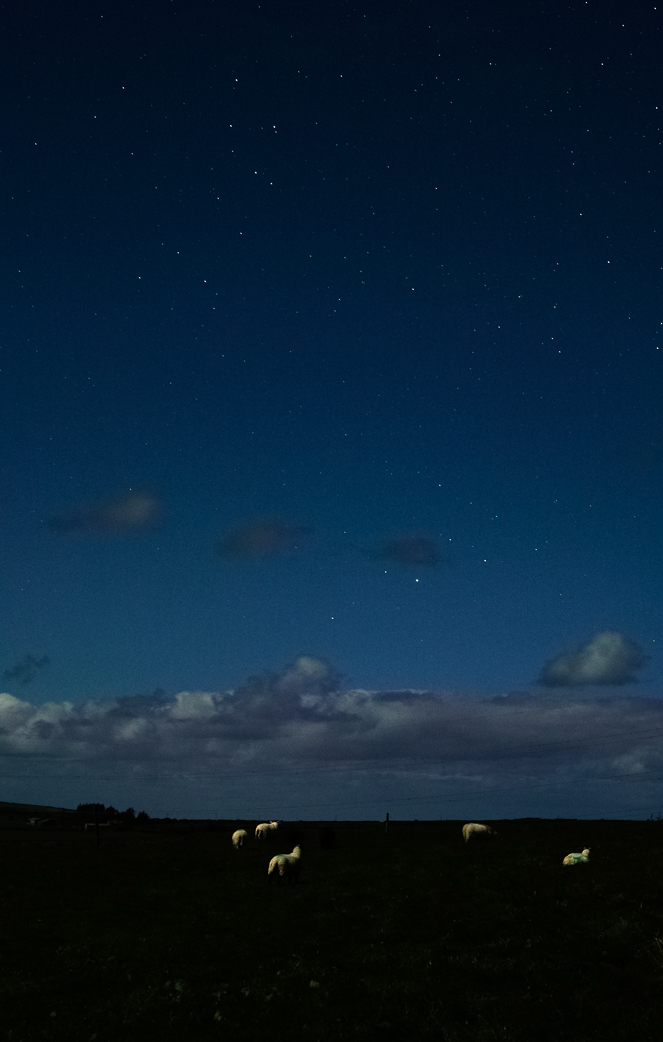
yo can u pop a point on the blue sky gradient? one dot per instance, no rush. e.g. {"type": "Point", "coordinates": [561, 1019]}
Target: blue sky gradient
{"type": "Point", "coordinates": [332, 333]}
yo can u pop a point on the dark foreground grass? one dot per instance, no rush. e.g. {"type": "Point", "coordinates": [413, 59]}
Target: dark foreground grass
{"type": "Point", "coordinates": [410, 935]}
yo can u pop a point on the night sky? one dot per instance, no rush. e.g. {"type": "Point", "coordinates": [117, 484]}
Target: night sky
{"type": "Point", "coordinates": [331, 361]}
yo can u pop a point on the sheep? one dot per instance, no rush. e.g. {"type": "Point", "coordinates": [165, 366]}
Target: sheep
{"type": "Point", "coordinates": [239, 837]}
{"type": "Point", "coordinates": [265, 827]}
{"type": "Point", "coordinates": [287, 865]}
{"type": "Point", "coordinates": [577, 859]}
{"type": "Point", "coordinates": [477, 830]}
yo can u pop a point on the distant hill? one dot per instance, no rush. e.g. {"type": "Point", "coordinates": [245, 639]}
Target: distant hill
{"type": "Point", "coordinates": [22, 811]}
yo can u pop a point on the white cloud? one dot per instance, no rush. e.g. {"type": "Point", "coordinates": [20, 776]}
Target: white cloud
{"type": "Point", "coordinates": [133, 730]}
{"type": "Point", "coordinates": [610, 658]}
{"type": "Point", "coordinates": [12, 711]}
{"type": "Point", "coordinates": [193, 705]}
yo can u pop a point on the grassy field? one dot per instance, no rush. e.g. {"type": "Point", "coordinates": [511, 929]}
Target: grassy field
{"type": "Point", "coordinates": [174, 935]}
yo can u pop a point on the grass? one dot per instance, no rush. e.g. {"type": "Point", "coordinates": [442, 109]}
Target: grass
{"type": "Point", "coordinates": [172, 935]}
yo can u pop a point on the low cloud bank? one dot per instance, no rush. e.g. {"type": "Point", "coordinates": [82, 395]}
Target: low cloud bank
{"type": "Point", "coordinates": [302, 720]}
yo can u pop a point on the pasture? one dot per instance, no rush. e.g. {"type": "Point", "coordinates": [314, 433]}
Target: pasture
{"type": "Point", "coordinates": [172, 934]}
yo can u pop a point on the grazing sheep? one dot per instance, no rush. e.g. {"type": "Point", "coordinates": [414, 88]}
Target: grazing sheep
{"type": "Point", "coordinates": [477, 830]}
{"type": "Point", "coordinates": [577, 859]}
{"type": "Point", "coordinates": [267, 826]}
{"type": "Point", "coordinates": [239, 837]}
{"type": "Point", "coordinates": [287, 865]}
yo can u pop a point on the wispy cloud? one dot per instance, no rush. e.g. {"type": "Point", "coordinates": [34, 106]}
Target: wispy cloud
{"type": "Point", "coordinates": [135, 512]}
{"type": "Point", "coordinates": [27, 669]}
{"type": "Point", "coordinates": [610, 658]}
{"type": "Point", "coordinates": [416, 550]}
{"type": "Point", "coordinates": [263, 538]}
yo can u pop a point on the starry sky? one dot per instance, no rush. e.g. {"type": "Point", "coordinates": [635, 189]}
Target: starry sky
{"type": "Point", "coordinates": [331, 365]}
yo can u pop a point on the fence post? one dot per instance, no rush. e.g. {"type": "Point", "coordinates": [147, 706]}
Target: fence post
{"type": "Point", "coordinates": [386, 824]}
{"type": "Point", "coordinates": [96, 824]}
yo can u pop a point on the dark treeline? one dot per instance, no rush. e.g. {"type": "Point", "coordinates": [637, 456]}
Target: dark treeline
{"type": "Point", "coordinates": [100, 813]}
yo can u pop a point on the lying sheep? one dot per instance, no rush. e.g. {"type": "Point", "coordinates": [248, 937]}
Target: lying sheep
{"type": "Point", "coordinates": [239, 837]}
{"type": "Point", "coordinates": [286, 865]}
{"type": "Point", "coordinates": [266, 827]}
{"type": "Point", "coordinates": [577, 859]}
{"type": "Point", "coordinates": [477, 830]}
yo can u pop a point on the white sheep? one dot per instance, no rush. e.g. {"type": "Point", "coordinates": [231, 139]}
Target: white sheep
{"type": "Point", "coordinates": [239, 837]}
{"type": "Point", "coordinates": [287, 865]}
{"type": "Point", "coordinates": [577, 859]}
{"type": "Point", "coordinates": [265, 827]}
{"type": "Point", "coordinates": [477, 830]}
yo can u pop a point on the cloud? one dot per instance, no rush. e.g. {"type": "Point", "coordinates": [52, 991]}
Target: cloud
{"type": "Point", "coordinates": [136, 512]}
{"type": "Point", "coordinates": [27, 669]}
{"type": "Point", "coordinates": [262, 539]}
{"type": "Point", "coordinates": [610, 658]}
{"type": "Point", "coordinates": [13, 713]}
{"type": "Point", "coordinates": [193, 705]}
{"type": "Point", "coordinates": [410, 550]}
{"type": "Point", "coordinates": [303, 691]}
{"type": "Point", "coordinates": [298, 735]}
